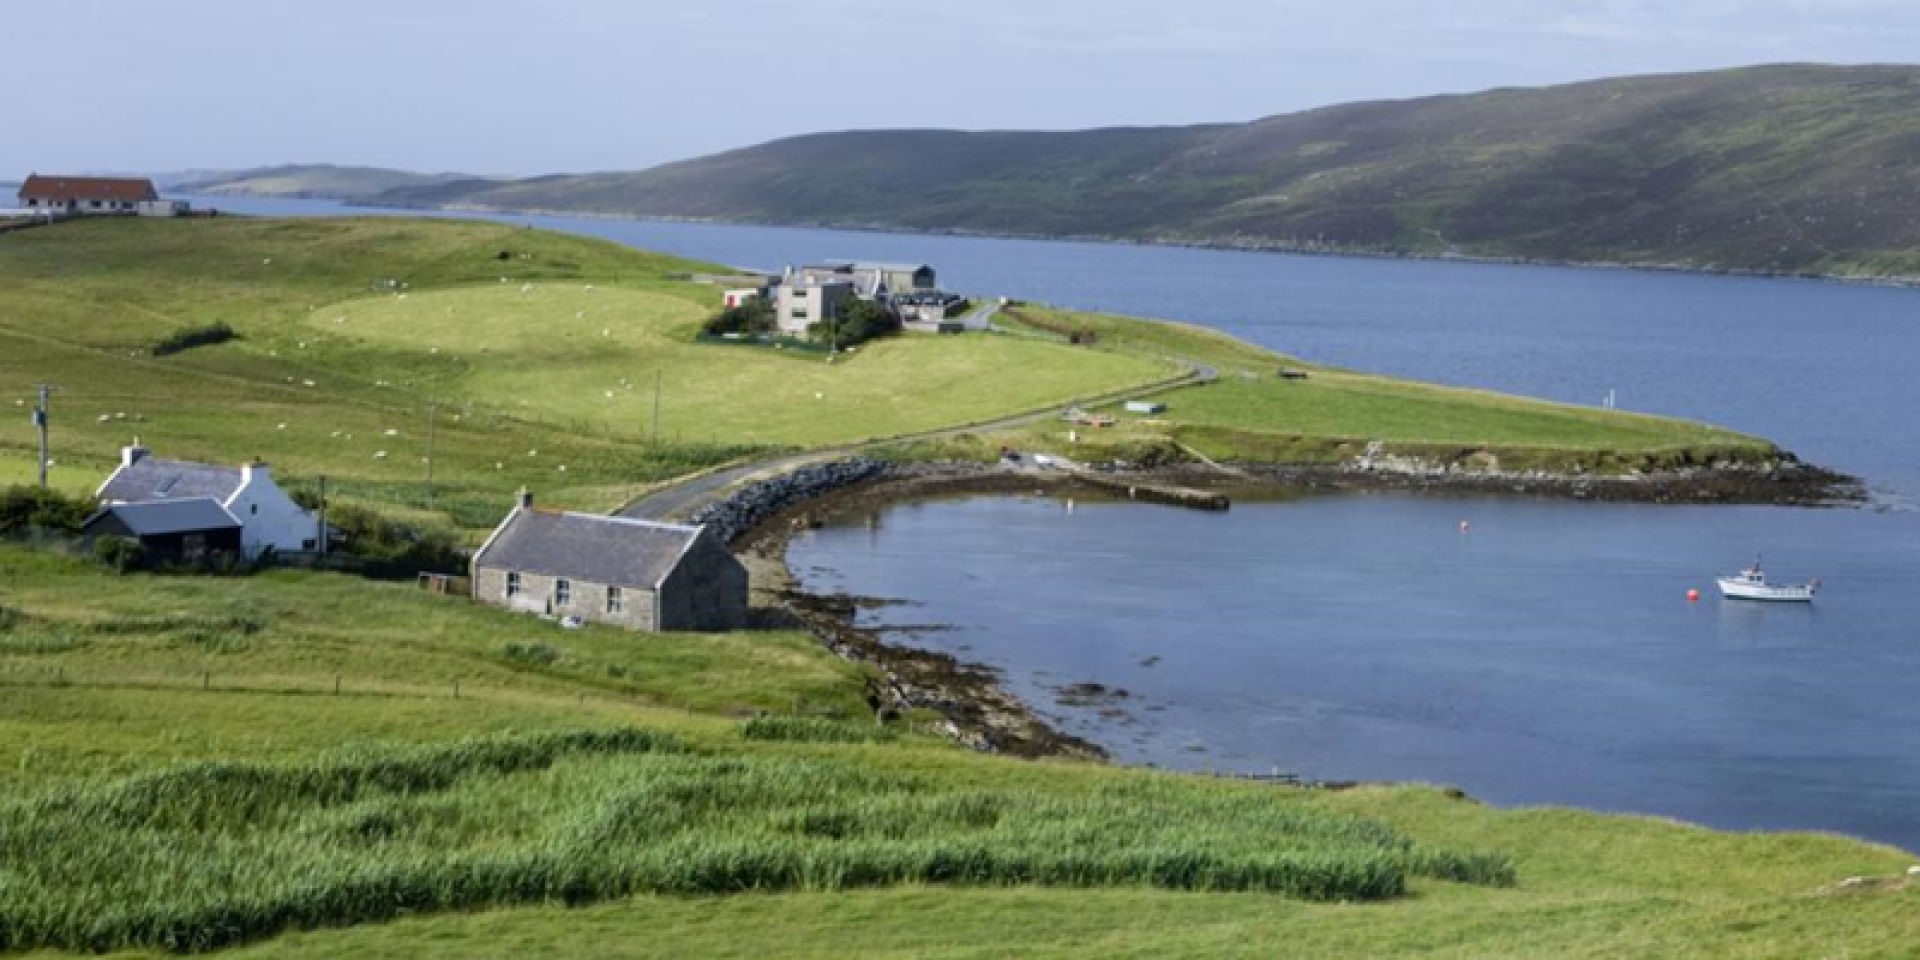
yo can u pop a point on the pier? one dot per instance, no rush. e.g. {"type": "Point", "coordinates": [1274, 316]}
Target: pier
{"type": "Point", "coordinates": [1168, 494]}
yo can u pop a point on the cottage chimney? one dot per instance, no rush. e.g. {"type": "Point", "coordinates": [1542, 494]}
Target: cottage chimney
{"type": "Point", "coordinates": [255, 468]}
{"type": "Point", "coordinates": [133, 454]}
{"type": "Point", "coordinates": [523, 499]}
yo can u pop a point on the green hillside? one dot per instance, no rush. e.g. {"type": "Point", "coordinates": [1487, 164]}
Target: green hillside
{"type": "Point", "coordinates": [1781, 169]}
{"type": "Point", "coordinates": [539, 369]}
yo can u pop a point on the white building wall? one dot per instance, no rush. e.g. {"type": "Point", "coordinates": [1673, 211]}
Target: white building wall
{"type": "Point", "coordinates": [270, 518]}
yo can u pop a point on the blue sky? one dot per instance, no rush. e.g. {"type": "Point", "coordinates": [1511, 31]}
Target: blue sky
{"type": "Point", "coordinates": [521, 87]}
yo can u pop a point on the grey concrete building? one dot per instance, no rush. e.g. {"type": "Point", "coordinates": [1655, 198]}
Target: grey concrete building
{"type": "Point", "coordinates": [801, 302]}
{"type": "Point", "coordinates": [632, 573]}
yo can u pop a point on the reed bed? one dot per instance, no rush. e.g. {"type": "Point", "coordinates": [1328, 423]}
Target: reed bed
{"type": "Point", "coordinates": [215, 854]}
{"type": "Point", "coordinates": [775, 727]}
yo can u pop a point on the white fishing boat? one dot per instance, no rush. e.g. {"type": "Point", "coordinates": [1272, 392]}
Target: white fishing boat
{"type": "Point", "coordinates": [1751, 584]}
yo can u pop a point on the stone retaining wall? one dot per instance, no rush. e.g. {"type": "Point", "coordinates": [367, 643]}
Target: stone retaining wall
{"type": "Point", "coordinates": [752, 505]}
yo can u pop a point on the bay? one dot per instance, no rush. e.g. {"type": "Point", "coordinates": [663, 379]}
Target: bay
{"type": "Point", "coordinates": [1549, 655]}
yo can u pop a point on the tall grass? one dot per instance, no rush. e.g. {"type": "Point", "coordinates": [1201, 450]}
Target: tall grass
{"type": "Point", "coordinates": [214, 854]}
{"type": "Point", "coordinates": [812, 730]}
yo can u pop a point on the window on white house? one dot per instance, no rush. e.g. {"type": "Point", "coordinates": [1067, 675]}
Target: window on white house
{"type": "Point", "coordinates": [562, 592]}
{"type": "Point", "coordinates": [253, 508]}
{"type": "Point", "coordinates": [616, 602]}
{"type": "Point", "coordinates": [513, 583]}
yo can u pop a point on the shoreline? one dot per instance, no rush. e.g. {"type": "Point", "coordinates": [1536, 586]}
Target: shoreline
{"type": "Point", "coordinates": [1897, 281]}
{"type": "Point", "coordinates": [979, 713]}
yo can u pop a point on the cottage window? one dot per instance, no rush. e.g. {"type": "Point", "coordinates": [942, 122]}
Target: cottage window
{"type": "Point", "coordinates": [616, 603]}
{"type": "Point", "coordinates": [513, 583]}
{"type": "Point", "coordinates": [562, 592]}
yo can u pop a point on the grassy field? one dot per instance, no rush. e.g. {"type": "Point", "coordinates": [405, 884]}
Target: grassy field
{"type": "Point", "coordinates": [1253, 414]}
{"type": "Point", "coordinates": [603, 796]}
{"type": "Point", "coordinates": [518, 373]}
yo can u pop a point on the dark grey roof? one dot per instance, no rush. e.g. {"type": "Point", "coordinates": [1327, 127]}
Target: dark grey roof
{"type": "Point", "coordinates": [154, 479]}
{"type": "Point", "coordinates": [160, 517]}
{"type": "Point", "coordinates": [611, 550]}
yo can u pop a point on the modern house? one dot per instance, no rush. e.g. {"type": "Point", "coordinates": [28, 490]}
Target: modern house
{"type": "Point", "coordinates": [802, 301]}
{"type": "Point", "coordinates": [187, 530]}
{"type": "Point", "coordinates": [631, 573]}
{"type": "Point", "coordinates": [872, 280]}
{"type": "Point", "coordinates": [269, 519]}
{"type": "Point", "coordinates": [86, 196]}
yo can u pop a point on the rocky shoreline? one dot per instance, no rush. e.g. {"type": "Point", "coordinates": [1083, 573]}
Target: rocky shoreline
{"type": "Point", "coordinates": [761, 519]}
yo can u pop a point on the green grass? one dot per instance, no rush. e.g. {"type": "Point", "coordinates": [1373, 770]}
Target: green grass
{"type": "Point", "coordinates": [1252, 414]}
{"type": "Point", "coordinates": [590, 357]}
{"type": "Point", "coordinates": [519, 382]}
{"type": "Point", "coordinates": [189, 727]}
{"type": "Point", "coordinates": [208, 855]}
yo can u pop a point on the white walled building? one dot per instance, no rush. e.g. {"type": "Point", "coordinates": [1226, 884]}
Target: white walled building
{"type": "Point", "coordinates": [269, 519]}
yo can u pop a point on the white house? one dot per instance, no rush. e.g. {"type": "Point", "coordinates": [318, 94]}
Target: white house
{"type": "Point", "coordinates": [80, 196]}
{"type": "Point", "coordinates": [269, 519]}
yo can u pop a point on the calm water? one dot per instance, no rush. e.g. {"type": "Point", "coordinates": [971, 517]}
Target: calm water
{"type": "Point", "coordinates": [1547, 656]}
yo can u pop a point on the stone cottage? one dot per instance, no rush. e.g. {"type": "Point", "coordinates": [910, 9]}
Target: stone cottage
{"type": "Point", "coordinates": [632, 573]}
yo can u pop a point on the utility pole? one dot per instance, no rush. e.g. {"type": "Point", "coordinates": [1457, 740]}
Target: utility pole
{"type": "Point", "coordinates": [323, 517]}
{"type": "Point", "coordinates": [431, 408]}
{"type": "Point", "coordinates": [40, 421]}
{"type": "Point", "coordinates": [656, 406]}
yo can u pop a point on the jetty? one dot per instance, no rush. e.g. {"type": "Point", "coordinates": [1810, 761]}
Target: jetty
{"type": "Point", "coordinates": [1134, 489]}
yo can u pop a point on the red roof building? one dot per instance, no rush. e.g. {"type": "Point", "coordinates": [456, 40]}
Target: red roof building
{"type": "Point", "coordinates": [86, 194]}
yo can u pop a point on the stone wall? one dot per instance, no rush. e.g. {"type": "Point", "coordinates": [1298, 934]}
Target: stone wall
{"type": "Point", "coordinates": [755, 503]}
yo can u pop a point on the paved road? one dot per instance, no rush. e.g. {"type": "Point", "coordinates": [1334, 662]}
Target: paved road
{"type": "Point", "coordinates": [680, 499]}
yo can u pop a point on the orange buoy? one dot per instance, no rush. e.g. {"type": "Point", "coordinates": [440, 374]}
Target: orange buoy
{"type": "Point", "coordinates": [1693, 595]}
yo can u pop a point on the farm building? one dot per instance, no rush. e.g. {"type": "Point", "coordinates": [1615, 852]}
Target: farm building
{"type": "Point", "coordinates": [187, 530]}
{"type": "Point", "coordinates": [269, 519]}
{"type": "Point", "coordinates": [631, 573]}
{"type": "Point", "coordinates": [77, 196]}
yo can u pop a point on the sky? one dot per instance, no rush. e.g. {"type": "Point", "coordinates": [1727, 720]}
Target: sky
{"type": "Point", "coordinates": [518, 87]}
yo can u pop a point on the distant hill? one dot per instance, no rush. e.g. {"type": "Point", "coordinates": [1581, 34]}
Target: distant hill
{"type": "Point", "coordinates": [298, 181]}
{"type": "Point", "coordinates": [1789, 169]}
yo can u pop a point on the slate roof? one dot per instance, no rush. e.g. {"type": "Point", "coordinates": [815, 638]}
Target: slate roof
{"type": "Point", "coordinates": [62, 189]}
{"type": "Point", "coordinates": [161, 517]}
{"type": "Point", "coordinates": [870, 265]}
{"type": "Point", "coordinates": [582, 546]}
{"type": "Point", "coordinates": [154, 479]}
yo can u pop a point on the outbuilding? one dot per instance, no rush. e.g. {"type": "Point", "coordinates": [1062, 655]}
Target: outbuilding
{"type": "Point", "coordinates": [187, 530]}
{"type": "Point", "coordinates": [639, 574]}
